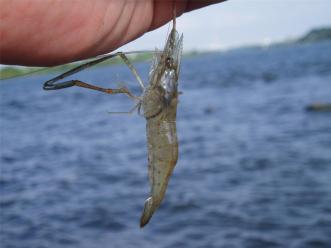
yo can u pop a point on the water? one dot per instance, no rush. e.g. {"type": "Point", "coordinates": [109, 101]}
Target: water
{"type": "Point", "coordinates": [254, 167]}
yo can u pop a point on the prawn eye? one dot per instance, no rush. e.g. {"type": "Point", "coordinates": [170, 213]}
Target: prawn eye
{"type": "Point", "coordinates": [169, 62]}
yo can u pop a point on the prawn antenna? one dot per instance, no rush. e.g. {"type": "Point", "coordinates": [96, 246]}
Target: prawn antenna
{"type": "Point", "coordinates": [174, 14]}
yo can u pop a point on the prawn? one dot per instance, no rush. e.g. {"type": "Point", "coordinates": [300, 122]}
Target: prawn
{"type": "Point", "coordinates": [158, 104]}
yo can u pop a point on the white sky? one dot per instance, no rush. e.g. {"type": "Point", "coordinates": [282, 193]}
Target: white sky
{"type": "Point", "coordinates": [241, 22]}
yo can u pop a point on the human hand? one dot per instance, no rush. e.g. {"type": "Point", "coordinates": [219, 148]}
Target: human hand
{"type": "Point", "coordinates": [51, 32]}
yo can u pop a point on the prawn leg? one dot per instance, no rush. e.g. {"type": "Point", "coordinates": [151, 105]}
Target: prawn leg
{"type": "Point", "coordinates": [122, 90]}
{"type": "Point", "coordinates": [78, 83]}
{"type": "Point", "coordinates": [132, 69]}
{"type": "Point", "coordinates": [52, 85]}
{"type": "Point", "coordinates": [128, 112]}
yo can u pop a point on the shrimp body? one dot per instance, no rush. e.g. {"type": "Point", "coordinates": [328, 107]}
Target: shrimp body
{"type": "Point", "coordinates": [160, 107]}
{"type": "Point", "coordinates": [159, 103]}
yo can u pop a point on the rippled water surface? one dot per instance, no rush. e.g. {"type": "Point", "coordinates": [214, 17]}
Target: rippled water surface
{"type": "Point", "coordinates": [254, 167]}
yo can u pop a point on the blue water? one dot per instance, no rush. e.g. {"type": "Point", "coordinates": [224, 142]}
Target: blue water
{"type": "Point", "coordinates": [254, 168]}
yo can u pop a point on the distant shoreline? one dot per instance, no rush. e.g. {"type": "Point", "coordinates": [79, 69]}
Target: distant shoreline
{"type": "Point", "coordinates": [7, 72]}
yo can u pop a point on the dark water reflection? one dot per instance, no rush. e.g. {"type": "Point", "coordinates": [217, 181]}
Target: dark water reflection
{"type": "Point", "coordinates": [254, 167]}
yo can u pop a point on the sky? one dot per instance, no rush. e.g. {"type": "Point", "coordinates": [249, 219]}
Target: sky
{"type": "Point", "coordinates": [237, 23]}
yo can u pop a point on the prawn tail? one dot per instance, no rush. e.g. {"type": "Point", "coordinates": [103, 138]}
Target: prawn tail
{"type": "Point", "coordinates": [148, 211]}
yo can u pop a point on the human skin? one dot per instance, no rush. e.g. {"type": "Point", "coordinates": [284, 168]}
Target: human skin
{"type": "Point", "coordinates": [52, 32]}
